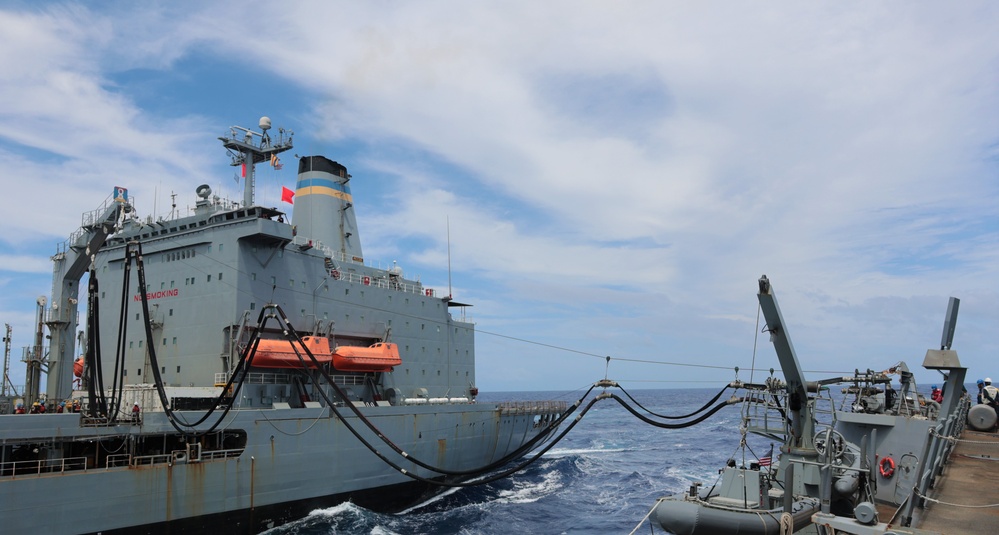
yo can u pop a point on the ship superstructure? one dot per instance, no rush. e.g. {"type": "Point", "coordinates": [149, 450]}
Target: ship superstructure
{"type": "Point", "coordinates": [242, 369]}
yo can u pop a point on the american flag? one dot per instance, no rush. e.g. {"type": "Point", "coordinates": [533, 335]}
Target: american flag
{"type": "Point", "coordinates": [769, 458]}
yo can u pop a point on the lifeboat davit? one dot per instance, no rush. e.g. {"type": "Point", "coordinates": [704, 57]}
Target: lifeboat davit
{"type": "Point", "coordinates": [380, 357]}
{"type": "Point", "coordinates": [280, 354]}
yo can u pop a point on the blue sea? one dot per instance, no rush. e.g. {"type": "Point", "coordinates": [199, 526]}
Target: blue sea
{"type": "Point", "coordinates": [603, 477]}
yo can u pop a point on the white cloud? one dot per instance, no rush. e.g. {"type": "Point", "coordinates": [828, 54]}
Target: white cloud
{"type": "Point", "coordinates": [664, 154]}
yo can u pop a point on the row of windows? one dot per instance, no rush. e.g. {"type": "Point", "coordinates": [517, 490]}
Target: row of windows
{"type": "Point", "coordinates": [173, 256]}
{"type": "Point", "coordinates": [438, 373]}
{"type": "Point", "coordinates": [139, 371]}
{"type": "Point", "coordinates": [131, 343]}
{"type": "Point", "coordinates": [137, 314]}
{"type": "Point", "coordinates": [180, 255]}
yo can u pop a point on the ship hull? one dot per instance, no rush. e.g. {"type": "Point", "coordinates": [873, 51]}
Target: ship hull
{"type": "Point", "coordinates": [255, 520]}
{"type": "Point", "coordinates": [294, 461]}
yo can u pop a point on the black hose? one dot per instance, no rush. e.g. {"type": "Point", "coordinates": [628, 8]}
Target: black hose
{"type": "Point", "coordinates": [662, 425]}
{"type": "Point", "coordinates": [527, 446]}
{"type": "Point", "coordinates": [245, 358]}
{"type": "Point", "coordinates": [685, 416]}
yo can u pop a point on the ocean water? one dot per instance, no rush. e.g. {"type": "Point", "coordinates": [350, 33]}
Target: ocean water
{"type": "Point", "coordinates": [602, 478]}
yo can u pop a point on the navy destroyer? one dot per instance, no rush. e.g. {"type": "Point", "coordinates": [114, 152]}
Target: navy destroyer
{"type": "Point", "coordinates": [239, 370]}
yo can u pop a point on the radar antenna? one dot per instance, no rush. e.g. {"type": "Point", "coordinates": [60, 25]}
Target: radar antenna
{"type": "Point", "coordinates": [248, 148]}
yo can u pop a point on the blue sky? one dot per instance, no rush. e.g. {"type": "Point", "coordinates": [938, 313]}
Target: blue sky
{"type": "Point", "coordinates": [616, 176]}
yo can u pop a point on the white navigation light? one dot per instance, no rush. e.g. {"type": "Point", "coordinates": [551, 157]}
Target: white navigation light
{"type": "Point", "coordinates": [265, 123]}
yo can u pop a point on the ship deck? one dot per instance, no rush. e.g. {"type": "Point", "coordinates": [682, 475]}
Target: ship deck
{"type": "Point", "coordinates": [971, 479]}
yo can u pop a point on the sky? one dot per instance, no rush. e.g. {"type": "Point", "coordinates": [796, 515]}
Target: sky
{"type": "Point", "coordinates": [612, 177]}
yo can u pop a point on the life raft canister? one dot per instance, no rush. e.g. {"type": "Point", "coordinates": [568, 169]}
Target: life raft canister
{"type": "Point", "coordinates": [887, 467]}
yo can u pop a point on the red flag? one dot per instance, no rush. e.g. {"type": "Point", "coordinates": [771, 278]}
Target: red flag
{"type": "Point", "coordinates": [286, 195]}
{"type": "Point", "coordinates": [242, 170]}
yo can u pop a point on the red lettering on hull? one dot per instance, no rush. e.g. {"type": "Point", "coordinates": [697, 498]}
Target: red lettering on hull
{"type": "Point", "coordinates": [156, 295]}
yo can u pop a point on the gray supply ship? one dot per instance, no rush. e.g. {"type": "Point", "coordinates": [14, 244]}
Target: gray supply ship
{"type": "Point", "coordinates": [240, 370]}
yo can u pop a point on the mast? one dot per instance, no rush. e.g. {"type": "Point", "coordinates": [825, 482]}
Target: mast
{"type": "Point", "coordinates": [34, 358]}
{"type": "Point", "coordinates": [248, 148]}
{"type": "Point", "coordinates": [6, 364]}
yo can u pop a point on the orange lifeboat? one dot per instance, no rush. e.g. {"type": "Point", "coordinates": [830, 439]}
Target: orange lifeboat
{"type": "Point", "coordinates": [78, 367]}
{"type": "Point", "coordinates": [380, 357]}
{"type": "Point", "coordinates": [280, 354]}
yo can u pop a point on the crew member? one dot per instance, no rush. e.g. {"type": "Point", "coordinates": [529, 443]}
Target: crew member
{"type": "Point", "coordinates": [981, 385]}
{"type": "Point", "coordinates": [990, 395]}
{"type": "Point", "coordinates": [936, 394]}
{"type": "Point", "coordinates": [135, 413]}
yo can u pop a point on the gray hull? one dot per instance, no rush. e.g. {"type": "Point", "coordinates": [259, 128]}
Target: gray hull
{"type": "Point", "coordinates": [294, 460]}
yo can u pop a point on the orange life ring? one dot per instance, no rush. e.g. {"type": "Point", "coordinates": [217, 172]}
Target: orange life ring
{"type": "Point", "coordinates": [887, 467]}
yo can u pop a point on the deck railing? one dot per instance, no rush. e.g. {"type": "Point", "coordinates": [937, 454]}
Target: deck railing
{"type": "Point", "coordinates": [42, 466]}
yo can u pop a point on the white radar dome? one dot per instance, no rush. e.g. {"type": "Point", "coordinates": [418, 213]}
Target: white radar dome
{"type": "Point", "coordinates": [265, 123]}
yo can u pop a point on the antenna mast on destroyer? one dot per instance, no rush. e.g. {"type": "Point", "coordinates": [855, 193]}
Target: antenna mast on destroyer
{"type": "Point", "coordinates": [248, 148]}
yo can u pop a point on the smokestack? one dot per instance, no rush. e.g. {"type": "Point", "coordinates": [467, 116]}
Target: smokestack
{"type": "Point", "coordinates": [324, 209]}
